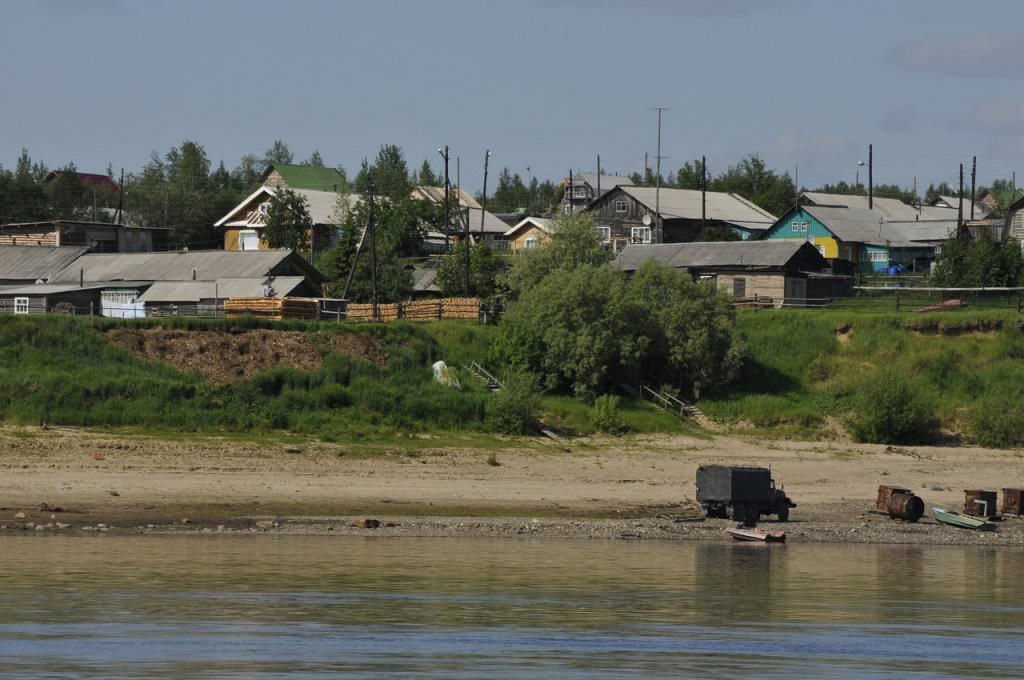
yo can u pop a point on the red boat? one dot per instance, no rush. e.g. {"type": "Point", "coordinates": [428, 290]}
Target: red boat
{"type": "Point", "coordinates": [740, 534]}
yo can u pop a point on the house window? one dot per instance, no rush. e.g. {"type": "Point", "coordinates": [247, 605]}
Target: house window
{"type": "Point", "coordinates": [795, 226]}
{"type": "Point", "coordinates": [641, 234]}
{"type": "Point", "coordinates": [530, 243]}
{"type": "Point", "coordinates": [21, 305]}
{"type": "Point", "coordinates": [739, 287]}
{"type": "Point", "coordinates": [803, 227]}
{"type": "Point", "coordinates": [248, 240]}
{"type": "Point", "coordinates": [620, 206]}
{"type": "Point", "coordinates": [579, 192]}
{"type": "Point", "coordinates": [605, 233]}
{"type": "Point", "coordinates": [878, 256]}
{"type": "Point", "coordinates": [264, 208]}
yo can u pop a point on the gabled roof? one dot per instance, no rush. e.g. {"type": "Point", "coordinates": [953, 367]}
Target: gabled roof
{"type": "Point", "coordinates": [323, 206]}
{"type": "Point", "coordinates": [492, 223]}
{"type": "Point", "coordinates": [194, 291]}
{"type": "Point", "coordinates": [31, 263]}
{"type": "Point", "coordinates": [855, 225]}
{"type": "Point", "coordinates": [686, 204]}
{"type": "Point", "coordinates": [204, 265]}
{"type": "Point", "coordinates": [981, 210]}
{"type": "Point", "coordinates": [436, 195]}
{"type": "Point", "coordinates": [306, 177]}
{"type": "Point", "coordinates": [926, 231]}
{"type": "Point", "coordinates": [892, 209]}
{"type": "Point", "coordinates": [541, 223]}
{"type": "Point", "coordinates": [717, 254]}
{"type": "Point", "coordinates": [608, 182]}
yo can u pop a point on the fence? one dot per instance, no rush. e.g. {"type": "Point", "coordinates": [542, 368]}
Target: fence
{"type": "Point", "coordinates": [892, 298]}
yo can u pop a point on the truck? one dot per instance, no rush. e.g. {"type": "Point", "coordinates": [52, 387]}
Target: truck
{"type": "Point", "coordinates": [744, 493]}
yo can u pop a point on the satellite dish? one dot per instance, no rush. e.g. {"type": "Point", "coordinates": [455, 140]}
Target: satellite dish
{"type": "Point", "coordinates": [646, 219]}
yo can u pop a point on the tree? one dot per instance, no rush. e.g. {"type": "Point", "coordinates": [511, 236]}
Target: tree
{"type": "Point", "coordinates": [277, 153]}
{"type": "Point", "coordinates": [426, 176]}
{"type": "Point", "coordinates": [27, 198]}
{"type": "Point", "coordinates": [484, 268]}
{"type": "Point", "coordinates": [754, 181]}
{"type": "Point", "coordinates": [574, 243]}
{"type": "Point", "coordinates": [315, 160]}
{"type": "Point", "coordinates": [389, 172]}
{"type": "Point", "coordinates": [967, 262]}
{"type": "Point", "coordinates": [510, 195]}
{"type": "Point", "coordinates": [69, 197]}
{"type": "Point", "coordinates": [942, 189]}
{"type": "Point", "coordinates": [690, 176]}
{"type": "Point", "coordinates": [288, 224]}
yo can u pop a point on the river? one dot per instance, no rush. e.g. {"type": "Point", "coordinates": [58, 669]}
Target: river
{"type": "Point", "coordinates": [109, 606]}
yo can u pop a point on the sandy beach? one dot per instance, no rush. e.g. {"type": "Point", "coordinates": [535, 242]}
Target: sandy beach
{"type": "Point", "coordinates": [629, 487]}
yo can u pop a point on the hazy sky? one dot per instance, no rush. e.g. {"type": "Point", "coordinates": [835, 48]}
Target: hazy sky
{"type": "Point", "coordinates": [547, 84]}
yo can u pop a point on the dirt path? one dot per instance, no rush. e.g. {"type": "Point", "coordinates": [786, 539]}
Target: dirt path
{"type": "Point", "coordinates": [134, 480]}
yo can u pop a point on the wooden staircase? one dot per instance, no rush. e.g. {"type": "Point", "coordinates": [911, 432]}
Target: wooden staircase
{"type": "Point", "coordinates": [479, 371]}
{"type": "Point", "coordinates": [669, 402]}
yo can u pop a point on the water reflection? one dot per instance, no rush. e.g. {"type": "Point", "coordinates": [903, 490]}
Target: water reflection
{"type": "Point", "coordinates": [277, 605]}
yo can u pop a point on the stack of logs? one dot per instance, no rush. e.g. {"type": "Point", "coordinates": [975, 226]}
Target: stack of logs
{"type": "Point", "coordinates": [364, 312]}
{"type": "Point", "coordinates": [417, 310]}
{"type": "Point", "coordinates": [271, 308]}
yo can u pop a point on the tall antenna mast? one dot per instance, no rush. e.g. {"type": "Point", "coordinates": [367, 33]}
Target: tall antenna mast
{"type": "Point", "coordinates": [657, 181]}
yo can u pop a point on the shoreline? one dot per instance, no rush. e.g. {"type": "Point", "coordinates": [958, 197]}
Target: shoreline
{"type": "Point", "coordinates": [75, 481]}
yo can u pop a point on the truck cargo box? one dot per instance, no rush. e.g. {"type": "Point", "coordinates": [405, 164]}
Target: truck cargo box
{"type": "Point", "coordinates": [727, 483]}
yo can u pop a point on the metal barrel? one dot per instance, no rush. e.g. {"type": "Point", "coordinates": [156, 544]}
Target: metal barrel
{"type": "Point", "coordinates": [1013, 501]}
{"type": "Point", "coordinates": [979, 503]}
{"type": "Point", "coordinates": [906, 506]}
{"type": "Point", "coordinates": [885, 492]}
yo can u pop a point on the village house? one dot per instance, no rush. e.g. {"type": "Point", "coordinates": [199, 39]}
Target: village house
{"type": "Point", "coordinates": [243, 225]}
{"type": "Point", "coordinates": [585, 187]}
{"type": "Point", "coordinates": [99, 237]}
{"type": "Point", "coordinates": [771, 272]}
{"type": "Point", "coordinates": [1014, 223]}
{"type": "Point", "coordinates": [628, 215]}
{"type": "Point", "coordinates": [528, 234]}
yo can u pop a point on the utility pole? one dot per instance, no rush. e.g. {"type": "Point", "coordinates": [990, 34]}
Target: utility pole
{"type": "Point", "coordinates": [529, 193]}
{"type": "Point", "coordinates": [960, 205]}
{"type": "Point", "coordinates": [657, 181]}
{"type": "Point", "coordinates": [373, 254]}
{"type": "Point", "coordinates": [703, 191]}
{"type": "Point", "coordinates": [796, 184]}
{"type": "Point", "coordinates": [974, 175]}
{"type": "Point", "coordinates": [598, 176]}
{"type": "Point", "coordinates": [871, 179]}
{"type": "Point", "coordinates": [569, 189]}
{"type": "Point", "coordinates": [458, 176]}
{"type": "Point", "coordinates": [917, 201]}
{"type": "Point", "coordinates": [487, 158]}
{"type": "Point", "coordinates": [447, 235]}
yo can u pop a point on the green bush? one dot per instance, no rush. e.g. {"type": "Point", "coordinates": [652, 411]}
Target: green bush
{"type": "Point", "coordinates": [892, 410]}
{"type": "Point", "coordinates": [605, 416]}
{"type": "Point", "coordinates": [997, 423]}
{"type": "Point", "coordinates": [514, 409]}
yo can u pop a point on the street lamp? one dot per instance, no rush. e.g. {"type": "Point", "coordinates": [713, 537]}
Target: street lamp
{"type": "Point", "coordinates": [856, 183]}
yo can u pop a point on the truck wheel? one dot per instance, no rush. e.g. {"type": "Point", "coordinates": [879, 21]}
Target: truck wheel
{"type": "Point", "coordinates": [739, 512]}
{"type": "Point", "coordinates": [784, 512]}
{"type": "Point", "coordinates": [753, 513]}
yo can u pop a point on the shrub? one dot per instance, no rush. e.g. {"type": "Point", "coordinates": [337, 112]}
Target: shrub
{"type": "Point", "coordinates": [514, 409]}
{"type": "Point", "coordinates": [997, 423]}
{"type": "Point", "coordinates": [892, 410]}
{"type": "Point", "coordinates": [605, 416]}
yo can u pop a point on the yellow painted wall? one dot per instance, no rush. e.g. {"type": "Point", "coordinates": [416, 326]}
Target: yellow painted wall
{"type": "Point", "coordinates": [519, 242]}
{"type": "Point", "coordinates": [829, 245]}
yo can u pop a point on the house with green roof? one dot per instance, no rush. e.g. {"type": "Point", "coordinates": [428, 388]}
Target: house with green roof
{"type": "Point", "coordinates": [302, 177]}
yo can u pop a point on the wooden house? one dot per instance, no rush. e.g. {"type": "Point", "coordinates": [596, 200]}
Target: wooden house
{"type": "Point", "coordinates": [530, 233]}
{"type": "Point", "coordinates": [629, 215]}
{"type": "Point", "coordinates": [779, 272]}
{"type": "Point", "coordinates": [243, 225]}
{"type": "Point", "coordinates": [1014, 224]}
{"type": "Point", "coordinates": [99, 237]}
{"type": "Point", "coordinates": [585, 187]}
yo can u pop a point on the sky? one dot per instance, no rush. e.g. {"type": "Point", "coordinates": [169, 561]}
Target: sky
{"type": "Point", "coordinates": [543, 84]}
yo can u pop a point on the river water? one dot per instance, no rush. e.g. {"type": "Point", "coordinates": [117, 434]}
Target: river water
{"type": "Point", "coordinates": [295, 606]}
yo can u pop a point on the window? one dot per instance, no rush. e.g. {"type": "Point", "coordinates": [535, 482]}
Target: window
{"type": "Point", "coordinates": [803, 227]}
{"type": "Point", "coordinates": [795, 226]}
{"type": "Point", "coordinates": [620, 206]}
{"type": "Point", "coordinates": [530, 243]}
{"type": "Point", "coordinates": [641, 234]}
{"type": "Point", "coordinates": [264, 208]}
{"type": "Point", "coordinates": [605, 233]}
{"type": "Point", "coordinates": [579, 192]}
{"type": "Point", "coordinates": [878, 256]}
{"type": "Point", "coordinates": [21, 305]}
{"type": "Point", "coordinates": [739, 287]}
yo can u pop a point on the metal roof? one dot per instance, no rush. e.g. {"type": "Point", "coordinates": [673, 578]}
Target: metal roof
{"type": "Point", "coordinates": [323, 206]}
{"type": "Point", "coordinates": [492, 223]}
{"type": "Point", "coordinates": [856, 225]}
{"type": "Point", "coordinates": [542, 223]}
{"type": "Point", "coordinates": [922, 231]}
{"type": "Point", "coordinates": [713, 254]}
{"type": "Point", "coordinates": [891, 209]}
{"type": "Point", "coordinates": [30, 263]}
{"type": "Point", "coordinates": [980, 209]}
{"type": "Point", "coordinates": [608, 182]}
{"type": "Point", "coordinates": [307, 177]}
{"type": "Point", "coordinates": [424, 279]}
{"type": "Point", "coordinates": [55, 288]}
{"type": "Point", "coordinates": [209, 265]}
{"type": "Point", "coordinates": [194, 291]}
{"type": "Point", "coordinates": [436, 195]}
{"type": "Point", "coordinates": [686, 204]}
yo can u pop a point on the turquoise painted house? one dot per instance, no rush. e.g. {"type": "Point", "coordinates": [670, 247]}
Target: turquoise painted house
{"type": "Point", "coordinates": [854, 234]}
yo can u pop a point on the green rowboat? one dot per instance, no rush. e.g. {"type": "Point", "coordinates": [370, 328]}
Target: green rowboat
{"type": "Point", "coordinates": [963, 521]}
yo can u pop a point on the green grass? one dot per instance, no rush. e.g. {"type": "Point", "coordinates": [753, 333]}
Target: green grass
{"type": "Point", "coordinates": [800, 372]}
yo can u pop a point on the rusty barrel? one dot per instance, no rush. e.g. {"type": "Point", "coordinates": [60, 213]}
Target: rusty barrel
{"type": "Point", "coordinates": [978, 503]}
{"type": "Point", "coordinates": [1012, 501]}
{"type": "Point", "coordinates": [905, 506]}
{"type": "Point", "coordinates": [885, 493]}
